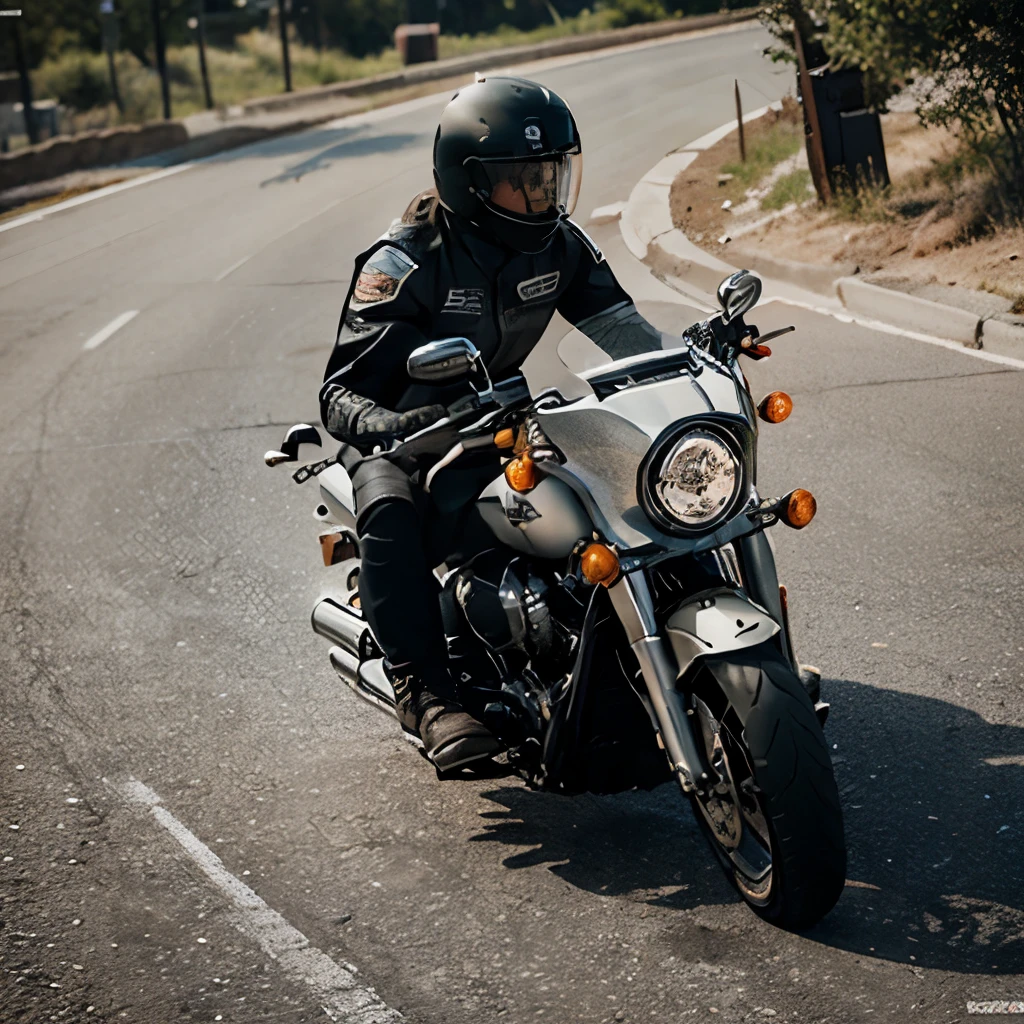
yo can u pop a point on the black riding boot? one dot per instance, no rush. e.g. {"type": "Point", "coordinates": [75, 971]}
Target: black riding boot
{"type": "Point", "coordinates": [451, 737]}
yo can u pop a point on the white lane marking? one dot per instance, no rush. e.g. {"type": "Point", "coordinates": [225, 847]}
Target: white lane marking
{"type": "Point", "coordinates": [88, 197]}
{"type": "Point", "coordinates": [232, 268]}
{"type": "Point", "coordinates": [343, 998]}
{"type": "Point", "coordinates": [878, 325]}
{"type": "Point", "coordinates": [115, 325]}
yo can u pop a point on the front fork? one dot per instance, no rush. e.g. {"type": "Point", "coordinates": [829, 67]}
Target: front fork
{"type": "Point", "coordinates": [631, 598]}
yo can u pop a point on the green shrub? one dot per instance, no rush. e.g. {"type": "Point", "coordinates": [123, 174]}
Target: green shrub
{"type": "Point", "coordinates": [781, 141]}
{"type": "Point", "coordinates": [77, 79]}
{"type": "Point", "coordinates": [789, 188]}
{"type": "Point", "coordinates": [635, 12]}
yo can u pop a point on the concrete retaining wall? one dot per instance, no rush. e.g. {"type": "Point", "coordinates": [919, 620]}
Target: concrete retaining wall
{"type": "Point", "coordinates": [116, 145]}
{"type": "Point", "coordinates": [101, 148]}
{"type": "Point", "coordinates": [487, 60]}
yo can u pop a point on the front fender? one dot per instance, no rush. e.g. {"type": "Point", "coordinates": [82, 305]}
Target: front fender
{"type": "Point", "coordinates": [716, 623]}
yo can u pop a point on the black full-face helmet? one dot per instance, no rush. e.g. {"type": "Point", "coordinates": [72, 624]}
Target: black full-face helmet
{"type": "Point", "coordinates": [507, 158]}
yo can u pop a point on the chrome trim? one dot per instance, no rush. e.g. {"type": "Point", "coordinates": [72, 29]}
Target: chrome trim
{"type": "Point", "coordinates": [340, 625]}
{"type": "Point", "coordinates": [446, 460]}
{"type": "Point", "coordinates": [633, 603]}
{"type": "Point", "coordinates": [631, 598]}
{"type": "Point", "coordinates": [659, 674]}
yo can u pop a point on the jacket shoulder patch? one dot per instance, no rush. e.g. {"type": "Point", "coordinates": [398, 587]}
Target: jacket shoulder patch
{"type": "Point", "coordinates": [381, 276]}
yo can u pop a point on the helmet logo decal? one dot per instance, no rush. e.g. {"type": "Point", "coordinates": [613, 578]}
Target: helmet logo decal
{"type": "Point", "coordinates": [536, 287]}
{"type": "Point", "coordinates": [532, 134]}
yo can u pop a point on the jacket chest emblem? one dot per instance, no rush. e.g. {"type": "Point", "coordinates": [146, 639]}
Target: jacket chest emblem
{"type": "Point", "coordinates": [537, 287]}
{"type": "Point", "coordinates": [464, 300]}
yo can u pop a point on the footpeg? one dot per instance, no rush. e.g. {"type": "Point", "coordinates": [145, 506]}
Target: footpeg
{"type": "Point", "coordinates": [810, 679]}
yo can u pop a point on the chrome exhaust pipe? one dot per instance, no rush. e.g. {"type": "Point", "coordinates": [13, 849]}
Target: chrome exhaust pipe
{"type": "Point", "coordinates": [346, 664]}
{"type": "Point", "coordinates": [339, 624]}
{"type": "Point", "coordinates": [361, 679]}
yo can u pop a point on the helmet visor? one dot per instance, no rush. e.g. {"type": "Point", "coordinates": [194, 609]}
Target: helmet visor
{"type": "Point", "coordinates": [536, 188]}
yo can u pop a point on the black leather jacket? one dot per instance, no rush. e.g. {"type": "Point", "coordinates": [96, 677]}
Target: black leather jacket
{"type": "Point", "coordinates": [432, 276]}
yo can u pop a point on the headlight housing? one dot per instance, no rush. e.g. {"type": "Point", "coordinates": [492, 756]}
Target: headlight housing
{"type": "Point", "coordinates": [692, 480]}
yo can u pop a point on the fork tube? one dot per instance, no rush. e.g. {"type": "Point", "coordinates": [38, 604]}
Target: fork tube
{"type": "Point", "coordinates": [631, 598]}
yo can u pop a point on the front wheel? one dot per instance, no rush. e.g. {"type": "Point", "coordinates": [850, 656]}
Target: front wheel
{"type": "Point", "coordinates": [774, 819]}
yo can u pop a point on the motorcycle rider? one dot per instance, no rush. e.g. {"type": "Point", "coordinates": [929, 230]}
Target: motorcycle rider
{"type": "Point", "coordinates": [490, 254]}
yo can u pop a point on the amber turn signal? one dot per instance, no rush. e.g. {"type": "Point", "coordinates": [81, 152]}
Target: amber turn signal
{"type": "Point", "coordinates": [520, 473]}
{"type": "Point", "coordinates": [775, 407]}
{"type": "Point", "coordinates": [798, 508]}
{"type": "Point", "coordinates": [599, 564]}
{"type": "Point", "coordinates": [505, 438]}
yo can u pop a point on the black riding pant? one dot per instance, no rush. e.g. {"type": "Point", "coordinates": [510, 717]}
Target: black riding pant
{"type": "Point", "coordinates": [403, 534]}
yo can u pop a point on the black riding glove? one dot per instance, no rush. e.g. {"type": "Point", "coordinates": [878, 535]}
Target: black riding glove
{"type": "Point", "coordinates": [363, 423]}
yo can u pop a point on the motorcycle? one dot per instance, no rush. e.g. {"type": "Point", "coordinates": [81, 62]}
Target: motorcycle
{"type": "Point", "coordinates": [625, 626]}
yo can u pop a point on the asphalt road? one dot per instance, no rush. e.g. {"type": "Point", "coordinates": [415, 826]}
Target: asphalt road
{"type": "Point", "coordinates": [157, 579]}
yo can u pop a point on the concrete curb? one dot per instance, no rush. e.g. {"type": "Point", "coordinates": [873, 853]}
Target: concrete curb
{"type": "Point", "coordinates": [1003, 335]}
{"type": "Point", "coordinates": [647, 218]}
{"type": "Point", "coordinates": [909, 311]}
{"type": "Point", "coordinates": [820, 279]}
{"type": "Point", "coordinates": [650, 235]}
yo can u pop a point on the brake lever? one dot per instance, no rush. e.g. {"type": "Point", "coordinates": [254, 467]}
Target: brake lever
{"type": "Point", "coordinates": [772, 335]}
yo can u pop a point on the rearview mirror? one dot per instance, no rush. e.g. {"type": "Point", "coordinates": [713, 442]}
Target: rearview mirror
{"type": "Point", "coordinates": [443, 360]}
{"type": "Point", "coordinates": [300, 434]}
{"type": "Point", "coordinates": [738, 293]}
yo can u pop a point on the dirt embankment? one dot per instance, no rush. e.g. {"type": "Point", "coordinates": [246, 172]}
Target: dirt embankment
{"type": "Point", "coordinates": [934, 226]}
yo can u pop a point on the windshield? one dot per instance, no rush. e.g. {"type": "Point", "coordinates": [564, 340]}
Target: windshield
{"type": "Point", "coordinates": [566, 358]}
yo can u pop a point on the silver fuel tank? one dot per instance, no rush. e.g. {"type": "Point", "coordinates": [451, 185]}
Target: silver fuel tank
{"type": "Point", "coordinates": [547, 521]}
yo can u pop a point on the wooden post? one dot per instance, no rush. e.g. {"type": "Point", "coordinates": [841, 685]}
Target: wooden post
{"type": "Point", "coordinates": [31, 128]}
{"type": "Point", "coordinates": [815, 148]}
{"type": "Point", "coordinates": [286, 62]}
{"type": "Point", "coordinates": [161, 57]}
{"type": "Point", "coordinates": [739, 121]}
{"type": "Point", "coordinates": [111, 37]}
{"type": "Point", "coordinates": [201, 40]}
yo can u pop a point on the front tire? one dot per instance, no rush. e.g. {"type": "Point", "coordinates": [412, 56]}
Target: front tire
{"type": "Point", "coordinates": [777, 826]}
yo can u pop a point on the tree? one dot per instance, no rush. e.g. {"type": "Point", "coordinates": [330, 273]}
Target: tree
{"type": "Point", "coordinates": [967, 57]}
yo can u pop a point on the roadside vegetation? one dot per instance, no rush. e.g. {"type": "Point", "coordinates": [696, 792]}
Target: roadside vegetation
{"type": "Point", "coordinates": [348, 39]}
{"type": "Point", "coordinates": [952, 216]}
{"type": "Point", "coordinates": [767, 148]}
{"type": "Point", "coordinates": [958, 66]}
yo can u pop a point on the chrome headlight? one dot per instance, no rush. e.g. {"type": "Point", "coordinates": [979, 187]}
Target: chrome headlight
{"type": "Point", "coordinates": [692, 482]}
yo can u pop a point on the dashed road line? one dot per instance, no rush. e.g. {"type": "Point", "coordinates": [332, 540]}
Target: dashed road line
{"type": "Point", "coordinates": [112, 328]}
{"type": "Point", "coordinates": [335, 986]}
{"type": "Point", "coordinates": [232, 268]}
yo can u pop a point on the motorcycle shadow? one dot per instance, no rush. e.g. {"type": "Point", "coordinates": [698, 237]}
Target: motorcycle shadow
{"type": "Point", "coordinates": [933, 803]}
{"type": "Point", "coordinates": [642, 846]}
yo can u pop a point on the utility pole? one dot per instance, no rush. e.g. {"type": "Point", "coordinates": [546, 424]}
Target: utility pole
{"type": "Point", "coordinates": [31, 129]}
{"type": "Point", "coordinates": [201, 40]}
{"type": "Point", "coordinates": [111, 34]}
{"type": "Point", "coordinates": [318, 25]}
{"type": "Point", "coordinates": [161, 58]}
{"type": "Point", "coordinates": [815, 148]}
{"type": "Point", "coordinates": [739, 121]}
{"type": "Point", "coordinates": [286, 63]}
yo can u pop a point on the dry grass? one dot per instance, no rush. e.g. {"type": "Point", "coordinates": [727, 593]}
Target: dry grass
{"type": "Point", "coordinates": [250, 69]}
{"type": "Point", "coordinates": [944, 220]}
